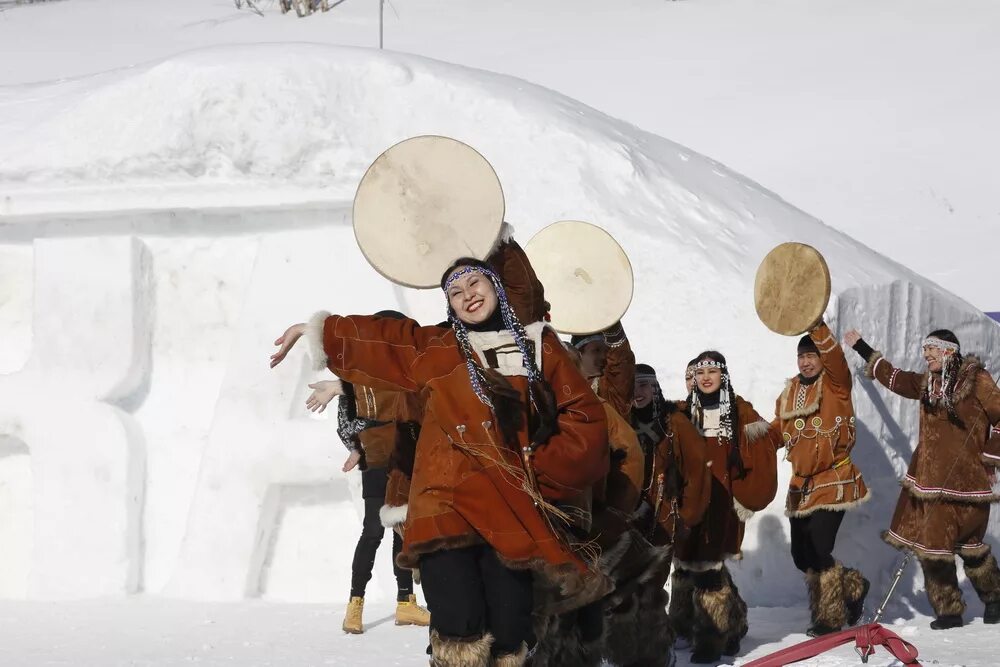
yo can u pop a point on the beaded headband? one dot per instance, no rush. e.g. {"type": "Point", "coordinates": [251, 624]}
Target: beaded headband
{"type": "Point", "coordinates": [462, 272]}
{"type": "Point", "coordinates": [944, 345]}
{"type": "Point", "coordinates": [707, 363]}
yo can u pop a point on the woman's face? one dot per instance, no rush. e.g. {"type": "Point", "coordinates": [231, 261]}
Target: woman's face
{"type": "Point", "coordinates": [935, 356]}
{"type": "Point", "coordinates": [644, 391]}
{"type": "Point", "coordinates": [689, 382]}
{"type": "Point", "coordinates": [708, 379]}
{"type": "Point", "coordinates": [472, 297]}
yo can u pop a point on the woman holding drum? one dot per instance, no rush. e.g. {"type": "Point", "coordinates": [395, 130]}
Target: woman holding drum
{"type": "Point", "coordinates": [509, 428]}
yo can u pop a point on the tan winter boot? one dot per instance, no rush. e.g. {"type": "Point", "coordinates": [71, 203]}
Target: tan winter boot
{"type": "Point", "coordinates": [410, 613]}
{"type": "Point", "coordinates": [352, 620]}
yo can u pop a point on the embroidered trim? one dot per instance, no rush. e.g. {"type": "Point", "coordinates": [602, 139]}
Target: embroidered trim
{"type": "Point", "coordinates": [920, 547]}
{"type": "Point", "coordinates": [807, 410]}
{"type": "Point", "coordinates": [939, 490]}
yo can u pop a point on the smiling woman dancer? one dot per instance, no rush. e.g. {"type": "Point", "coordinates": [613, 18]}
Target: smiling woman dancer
{"type": "Point", "coordinates": [741, 449]}
{"type": "Point", "coordinates": [510, 425]}
{"type": "Point", "coordinates": [944, 505]}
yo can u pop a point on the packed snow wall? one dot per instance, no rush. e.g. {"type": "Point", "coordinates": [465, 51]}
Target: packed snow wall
{"type": "Point", "coordinates": [163, 224]}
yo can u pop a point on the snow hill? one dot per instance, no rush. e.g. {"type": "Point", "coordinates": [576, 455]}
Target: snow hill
{"type": "Point", "coordinates": [873, 115]}
{"type": "Point", "coordinates": [149, 448]}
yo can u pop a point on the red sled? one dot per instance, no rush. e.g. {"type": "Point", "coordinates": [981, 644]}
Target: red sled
{"type": "Point", "coordinates": [865, 638]}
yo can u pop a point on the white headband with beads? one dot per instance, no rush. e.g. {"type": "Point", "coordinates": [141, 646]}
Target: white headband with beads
{"type": "Point", "coordinates": [707, 363]}
{"type": "Point", "coordinates": [945, 345]}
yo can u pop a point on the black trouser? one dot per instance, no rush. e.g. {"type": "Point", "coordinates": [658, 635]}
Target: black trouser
{"type": "Point", "coordinates": [470, 592]}
{"type": "Point", "coordinates": [372, 532]}
{"type": "Point", "coordinates": [813, 538]}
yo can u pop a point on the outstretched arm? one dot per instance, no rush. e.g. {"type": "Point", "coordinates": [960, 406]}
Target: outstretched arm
{"type": "Point", "coordinates": [525, 292]}
{"type": "Point", "coordinates": [905, 383]}
{"type": "Point", "coordinates": [376, 352]}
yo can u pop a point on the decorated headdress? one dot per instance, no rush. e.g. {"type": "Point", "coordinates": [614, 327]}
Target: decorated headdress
{"type": "Point", "coordinates": [477, 374]}
{"type": "Point", "coordinates": [712, 359]}
{"type": "Point", "coordinates": [951, 364]}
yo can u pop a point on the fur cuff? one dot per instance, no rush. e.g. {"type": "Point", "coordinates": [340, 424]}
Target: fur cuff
{"type": "Point", "coordinates": [742, 512]}
{"type": "Point", "coordinates": [870, 365]}
{"type": "Point", "coordinates": [506, 236]}
{"type": "Point", "coordinates": [697, 565]}
{"type": "Point", "coordinates": [756, 430]}
{"type": "Point", "coordinates": [314, 336]}
{"type": "Point", "coordinates": [392, 516]}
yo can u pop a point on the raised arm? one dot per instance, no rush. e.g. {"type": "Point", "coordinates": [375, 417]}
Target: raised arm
{"type": "Point", "coordinates": [905, 383]}
{"type": "Point", "coordinates": [617, 383]}
{"type": "Point", "coordinates": [838, 373]}
{"type": "Point", "coordinates": [524, 291]}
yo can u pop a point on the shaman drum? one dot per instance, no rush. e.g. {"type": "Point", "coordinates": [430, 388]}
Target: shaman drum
{"type": "Point", "coordinates": [792, 289]}
{"type": "Point", "coordinates": [424, 203]}
{"type": "Point", "coordinates": [586, 274]}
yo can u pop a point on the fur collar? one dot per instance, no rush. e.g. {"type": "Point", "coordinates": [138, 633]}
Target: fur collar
{"type": "Point", "coordinates": [966, 382]}
{"type": "Point", "coordinates": [499, 348]}
{"type": "Point", "coordinates": [805, 410]}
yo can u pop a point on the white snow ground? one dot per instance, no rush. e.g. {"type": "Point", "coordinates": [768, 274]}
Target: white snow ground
{"type": "Point", "coordinates": [145, 632]}
{"type": "Point", "coordinates": [163, 222]}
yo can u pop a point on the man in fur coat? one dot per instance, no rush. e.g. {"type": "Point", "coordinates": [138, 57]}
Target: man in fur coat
{"type": "Point", "coordinates": [944, 505]}
{"type": "Point", "coordinates": [815, 416]}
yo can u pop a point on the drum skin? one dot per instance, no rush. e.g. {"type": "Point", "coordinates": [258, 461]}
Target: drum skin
{"type": "Point", "coordinates": [586, 274]}
{"type": "Point", "coordinates": [424, 203]}
{"type": "Point", "coordinates": [792, 289]}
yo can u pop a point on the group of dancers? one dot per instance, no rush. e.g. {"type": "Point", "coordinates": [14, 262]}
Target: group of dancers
{"type": "Point", "coordinates": [546, 491]}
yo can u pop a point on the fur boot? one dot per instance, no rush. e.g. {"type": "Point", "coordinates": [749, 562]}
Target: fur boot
{"type": "Point", "coordinates": [561, 644]}
{"type": "Point", "coordinates": [831, 609]}
{"type": "Point", "coordinates": [460, 652]}
{"type": "Point", "coordinates": [738, 623]}
{"type": "Point", "coordinates": [812, 587]}
{"type": "Point", "coordinates": [856, 589]}
{"type": "Point", "coordinates": [638, 631]}
{"type": "Point", "coordinates": [682, 603]}
{"type": "Point", "coordinates": [512, 659]}
{"type": "Point", "coordinates": [716, 616]}
{"type": "Point", "coordinates": [985, 577]}
{"type": "Point", "coordinates": [941, 582]}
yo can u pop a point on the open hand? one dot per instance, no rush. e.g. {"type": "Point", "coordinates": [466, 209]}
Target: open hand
{"type": "Point", "coordinates": [287, 341]}
{"type": "Point", "coordinates": [352, 461]}
{"type": "Point", "coordinates": [852, 337]}
{"type": "Point", "coordinates": [323, 393]}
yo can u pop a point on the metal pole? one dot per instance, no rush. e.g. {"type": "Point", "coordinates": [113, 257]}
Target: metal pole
{"type": "Point", "coordinates": [381, 22]}
{"type": "Point", "coordinates": [892, 587]}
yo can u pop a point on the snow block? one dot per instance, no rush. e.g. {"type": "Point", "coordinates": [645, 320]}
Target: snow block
{"type": "Point", "coordinates": [90, 346]}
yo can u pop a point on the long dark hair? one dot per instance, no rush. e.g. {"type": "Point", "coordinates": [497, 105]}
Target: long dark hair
{"type": "Point", "coordinates": [492, 388]}
{"type": "Point", "coordinates": [950, 367]}
{"type": "Point", "coordinates": [729, 418]}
